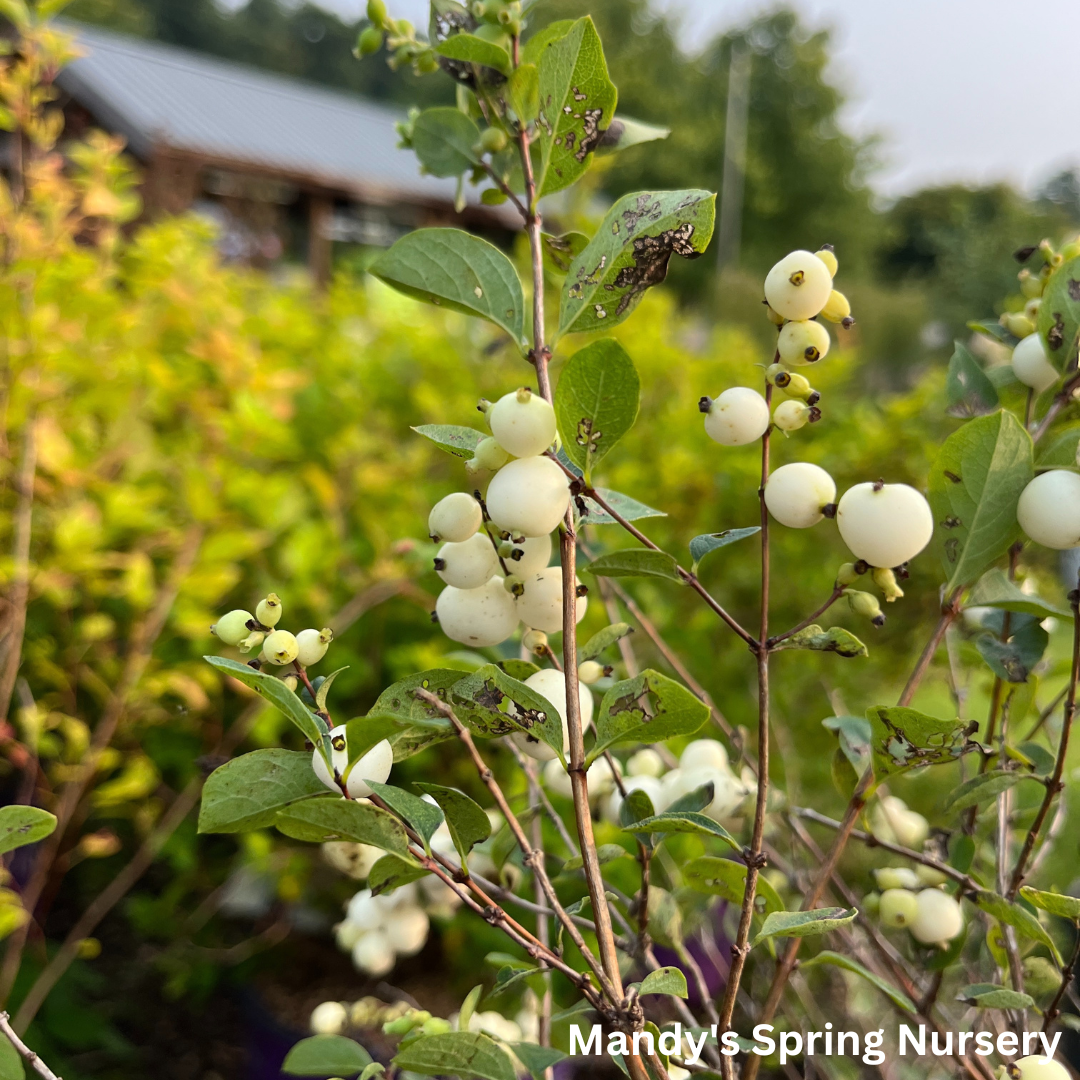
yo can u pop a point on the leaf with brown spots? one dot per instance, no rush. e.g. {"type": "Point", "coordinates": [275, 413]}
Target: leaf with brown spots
{"type": "Point", "coordinates": [1059, 315]}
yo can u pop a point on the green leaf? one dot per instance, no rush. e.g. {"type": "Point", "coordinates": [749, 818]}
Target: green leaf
{"type": "Point", "coordinates": [416, 723]}
{"type": "Point", "coordinates": [624, 132]}
{"type": "Point", "coordinates": [489, 694]}
{"type": "Point", "coordinates": [804, 923]}
{"type": "Point", "coordinates": [969, 391]}
{"type": "Point", "coordinates": [1060, 452]}
{"type": "Point", "coordinates": [323, 692]}
{"type": "Point", "coordinates": [596, 402]}
{"type": "Point", "coordinates": [391, 872]}
{"type": "Point", "coordinates": [1013, 660]}
{"type": "Point", "coordinates": [22, 825]}
{"type": "Point", "coordinates": [11, 1062]}
{"type": "Point", "coordinates": [466, 820]}
{"type": "Point", "coordinates": [459, 441]}
{"type": "Point", "coordinates": [577, 103]}
{"type": "Point", "coordinates": [683, 821]}
{"type": "Point", "coordinates": [636, 562]}
{"type": "Point", "coordinates": [1017, 917]}
{"type": "Point", "coordinates": [326, 1055]}
{"type": "Point", "coordinates": [331, 818]}
{"type": "Point", "coordinates": [836, 639]}
{"type": "Point", "coordinates": [603, 640]}
{"type": "Point", "coordinates": [247, 792]}
{"type": "Point", "coordinates": [475, 50]}
{"type": "Point", "coordinates": [605, 854]}
{"type": "Point", "coordinates": [1042, 761]}
{"type": "Point", "coordinates": [629, 509]}
{"type": "Point", "coordinates": [508, 976]}
{"type": "Point", "coordinates": [376, 1068]}
{"type": "Point", "coordinates": [906, 739]}
{"type": "Point", "coordinates": [443, 139]}
{"type": "Point", "coordinates": [975, 484]}
{"type": "Point", "coordinates": [630, 252]}
{"type": "Point", "coordinates": [994, 589]}
{"type": "Point", "coordinates": [983, 788]}
{"type": "Point", "coordinates": [665, 980]}
{"type": "Point", "coordinates": [1065, 907]}
{"type": "Point", "coordinates": [989, 996]}
{"type": "Point", "coordinates": [727, 878]}
{"type": "Point", "coordinates": [1059, 313]}
{"type": "Point", "coordinates": [419, 813]}
{"type": "Point", "coordinates": [560, 251]}
{"type": "Point", "coordinates": [637, 806]}
{"type": "Point", "coordinates": [517, 669]}
{"type": "Point", "coordinates": [537, 1059]}
{"type": "Point", "coordinates": [468, 1007]}
{"type": "Point", "coordinates": [523, 92]}
{"type": "Point", "coordinates": [826, 956]}
{"type": "Point", "coordinates": [454, 269]}
{"type": "Point", "coordinates": [623, 718]}
{"type": "Point", "coordinates": [853, 734]}
{"type": "Point", "coordinates": [701, 546]}
{"type": "Point", "coordinates": [456, 1053]}
{"type": "Point", "coordinates": [276, 692]}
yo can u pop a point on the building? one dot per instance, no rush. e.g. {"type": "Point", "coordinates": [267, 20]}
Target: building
{"type": "Point", "coordinates": [288, 168]}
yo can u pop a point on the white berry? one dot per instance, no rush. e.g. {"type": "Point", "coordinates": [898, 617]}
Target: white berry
{"type": "Point", "coordinates": [373, 954]}
{"type": "Point", "coordinates": [269, 611]}
{"type": "Point", "coordinates": [938, 918]}
{"type": "Point", "coordinates": [802, 342]}
{"type": "Point", "coordinates": [529, 496]}
{"type": "Point", "coordinates": [489, 455]}
{"type": "Point", "coordinates": [796, 494]}
{"type": "Point", "coordinates": [329, 1018]}
{"type": "Point", "coordinates": [1031, 366]}
{"type": "Point", "coordinates": [455, 518]}
{"type": "Point", "coordinates": [477, 617]}
{"type": "Point", "coordinates": [232, 628]}
{"type": "Point", "coordinates": [551, 684]}
{"type": "Point", "coordinates": [523, 423]}
{"type": "Point", "coordinates": [896, 877]}
{"type": "Point", "coordinates": [590, 672]}
{"type": "Point", "coordinates": [530, 556]}
{"type": "Point", "coordinates": [704, 753]}
{"type": "Point", "coordinates": [646, 762]}
{"type": "Point", "coordinates": [312, 645]}
{"type": "Point", "coordinates": [1039, 1068]}
{"type": "Point", "coordinates": [540, 604]}
{"type": "Point", "coordinates": [468, 565]}
{"type": "Point", "coordinates": [280, 648]}
{"type": "Point", "coordinates": [374, 765]}
{"type": "Point", "coordinates": [1049, 509]}
{"type": "Point", "coordinates": [898, 908]}
{"type": "Point", "coordinates": [407, 930]}
{"type": "Point", "coordinates": [884, 524]}
{"type": "Point", "coordinates": [737, 417]}
{"type": "Point", "coordinates": [791, 415]}
{"type": "Point", "coordinates": [798, 286]}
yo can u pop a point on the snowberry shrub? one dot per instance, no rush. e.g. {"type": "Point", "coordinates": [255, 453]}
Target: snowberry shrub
{"type": "Point", "coordinates": [532, 111]}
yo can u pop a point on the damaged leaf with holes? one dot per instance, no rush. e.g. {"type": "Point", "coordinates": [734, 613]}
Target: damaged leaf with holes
{"type": "Point", "coordinates": [630, 253]}
{"type": "Point", "coordinates": [904, 738]}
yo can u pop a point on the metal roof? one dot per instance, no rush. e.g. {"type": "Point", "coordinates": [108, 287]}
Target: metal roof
{"type": "Point", "coordinates": [157, 95]}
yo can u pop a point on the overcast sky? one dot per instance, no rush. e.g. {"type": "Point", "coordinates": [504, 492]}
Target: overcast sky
{"type": "Point", "coordinates": [953, 86]}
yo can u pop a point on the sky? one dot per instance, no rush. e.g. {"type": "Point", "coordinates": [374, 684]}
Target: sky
{"type": "Point", "coordinates": [952, 86]}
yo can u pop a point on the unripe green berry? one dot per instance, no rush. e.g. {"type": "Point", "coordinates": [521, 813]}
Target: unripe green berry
{"type": "Point", "coordinates": [1071, 250]}
{"type": "Point", "coordinates": [896, 877]}
{"type": "Point", "coordinates": [535, 641]}
{"type": "Point", "coordinates": [774, 318]}
{"type": "Point", "coordinates": [513, 584]}
{"type": "Point", "coordinates": [885, 580]}
{"type": "Point", "coordinates": [1031, 286]}
{"type": "Point", "coordinates": [252, 641]}
{"type": "Point", "coordinates": [376, 12]}
{"type": "Point", "coordinates": [798, 386]}
{"type": "Point", "coordinates": [312, 645]}
{"type": "Point", "coordinates": [848, 574]}
{"type": "Point", "coordinates": [777, 375]}
{"type": "Point", "coordinates": [793, 414]}
{"type": "Point", "coordinates": [590, 672]}
{"type": "Point", "coordinates": [370, 41]}
{"type": "Point", "coordinates": [802, 342]}
{"type": "Point", "coordinates": [828, 257]}
{"type": "Point", "coordinates": [291, 682]}
{"type": "Point", "coordinates": [232, 628]}
{"type": "Point", "coordinates": [930, 876]}
{"type": "Point", "coordinates": [268, 613]}
{"type": "Point", "coordinates": [436, 1026]}
{"type": "Point", "coordinates": [492, 140]}
{"type": "Point", "coordinates": [837, 309]}
{"type": "Point", "coordinates": [279, 648]}
{"type": "Point", "coordinates": [455, 518]}
{"type": "Point", "coordinates": [1017, 324]}
{"type": "Point", "coordinates": [489, 455]}
{"type": "Point", "coordinates": [898, 908]}
{"type": "Point", "coordinates": [427, 63]}
{"type": "Point", "coordinates": [865, 604]}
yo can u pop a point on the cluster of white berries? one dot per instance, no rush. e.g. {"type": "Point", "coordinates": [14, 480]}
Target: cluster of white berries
{"type": "Point", "coordinates": [798, 292]}
{"type": "Point", "coordinates": [704, 761]}
{"type": "Point", "coordinates": [495, 552]}
{"type": "Point", "coordinates": [334, 1017]}
{"type": "Point", "coordinates": [377, 930]}
{"type": "Point", "coordinates": [279, 648]}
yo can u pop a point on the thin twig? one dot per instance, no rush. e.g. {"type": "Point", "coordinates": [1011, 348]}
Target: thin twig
{"type": "Point", "coordinates": [838, 591]}
{"type": "Point", "coordinates": [36, 1063]}
{"type": "Point", "coordinates": [1068, 972]}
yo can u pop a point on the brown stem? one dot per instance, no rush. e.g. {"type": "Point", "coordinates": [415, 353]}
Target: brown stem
{"type": "Point", "coordinates": [142, 645]}
{"type": "Point", "coordinates": [36, 1063]}
{"type": "Point", "coordinates": [756, 860]}
{"type": "Point", "coordinates": [1054, 785]}
{"type": "Point", "coordinates": [542, 928]}
{"type": "Point", "coordinates": [1064, 396]}
{"type": "Point", "coordinates": [19, 593]}
{"type": "Point", "coordinates": [1067, 974]}
{"type": "Point", "coordinates": [838, 591]}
